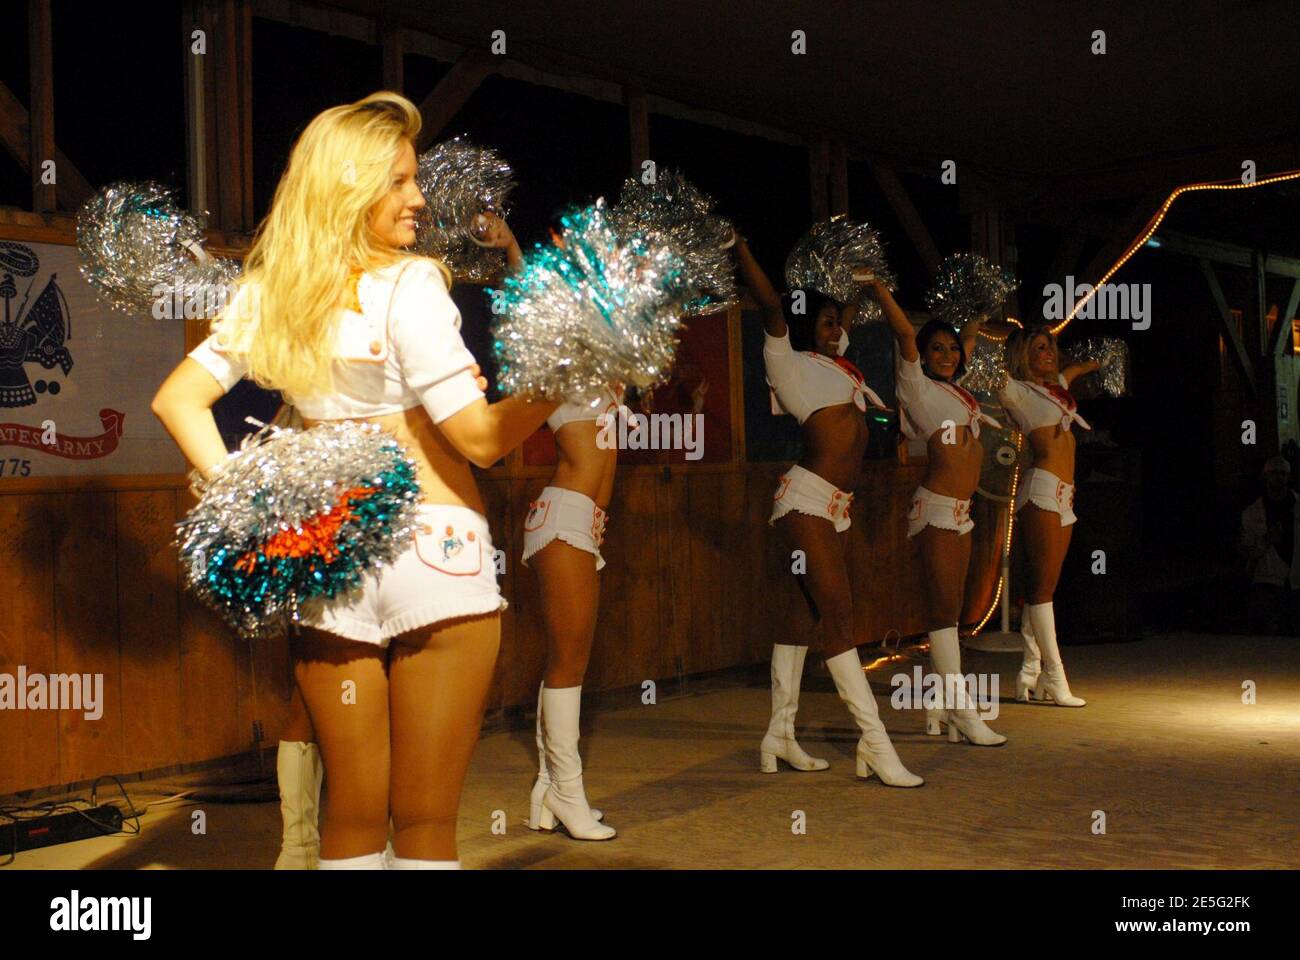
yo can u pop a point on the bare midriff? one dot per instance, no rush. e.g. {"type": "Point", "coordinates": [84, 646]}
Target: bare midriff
{"type": "Point", "coordinates": [953, 469]}
{"type": "Point", "coordinates": [835, 441]}
{"type": "Point", "coordinates": [1053, 450]}
{"type": "Point", "coordinates": [443, 472]}
{"type": "Point", "coordinates": [583, 466]}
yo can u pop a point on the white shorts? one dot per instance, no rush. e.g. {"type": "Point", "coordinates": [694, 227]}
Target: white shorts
{"type": "Point", "coordinates": [929, 509]}
{"type": "Point", "coordinates": [803, 491]}
{"type": "Point", "coordinates": [560, 514]}
{"type": "Point", "coordinates": [448, 571]}
{"type": "Point", "coordinates": [1046, 490]}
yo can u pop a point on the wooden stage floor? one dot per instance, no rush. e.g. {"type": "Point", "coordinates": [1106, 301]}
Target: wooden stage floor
{"type": "Point", "coordinates": [1187, 775]}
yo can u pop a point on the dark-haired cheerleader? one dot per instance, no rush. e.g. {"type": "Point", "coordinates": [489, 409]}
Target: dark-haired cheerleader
{"type": "Point", "coordinates": [812, 381]}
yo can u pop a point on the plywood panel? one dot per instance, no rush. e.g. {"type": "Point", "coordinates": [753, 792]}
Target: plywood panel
{"type": "Point", "coordinates": [210, 678]}
{"type": "Point", "coordinates": [693, 572]}
{"type": "Point", "coordinates": [29, 740]}
{"type": "Point", "coordinates": [86, 639]}
{"type": "Point", "coordinates": [148, 612]}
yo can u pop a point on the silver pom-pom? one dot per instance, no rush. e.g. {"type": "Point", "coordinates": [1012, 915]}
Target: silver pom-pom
{"type": "Point", "coordinates": [297, 515]}
{"type": "Point", "coordinates": [968, 287]}
{"type": "Point", "coordinates": [459, 181]}
{"type": "Point", "coordinates": [829, 257]}
{"type": "Point", "coordinates": [1112, 377]}
{"type": "Point", "coordinates": [593, 308]}
{"type": "Point", "coordinates": [139, 250]}
{"type": "Point", "coordinates": [672, 212]}
{"type": "Point", "coordinates": [986, 369]}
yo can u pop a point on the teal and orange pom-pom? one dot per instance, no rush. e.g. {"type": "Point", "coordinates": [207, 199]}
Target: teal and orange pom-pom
{"type": "Point", "coordinates": [297, 515]}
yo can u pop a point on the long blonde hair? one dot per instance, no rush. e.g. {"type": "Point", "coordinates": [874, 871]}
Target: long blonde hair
{"type": "Point", "coordinates": [316, 232]}
{"type": "Point", "coordinates": [1017, 349]}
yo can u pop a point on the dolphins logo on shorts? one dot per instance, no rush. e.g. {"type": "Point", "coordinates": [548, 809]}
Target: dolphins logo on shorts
{"type": "Point", "coordinates": [451, 545]}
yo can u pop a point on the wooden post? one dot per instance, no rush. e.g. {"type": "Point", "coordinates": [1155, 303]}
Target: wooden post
{"type": "Point", "coordinates": [229, 153]}
{"type": "Point", "coordinates": [244, 57]}
{"type": "Point", "coordinates": [196, 107]}
{"type": "Point", "coordinates": [41, 141]}
{"type": "Point", "coordinates": [819, 161]}
{"type": "Point", "coordinates": [638, 127]}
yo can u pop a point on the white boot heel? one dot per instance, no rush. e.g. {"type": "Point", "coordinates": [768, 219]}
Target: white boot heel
{"type": "Point", "coordinates": [959, 715]}
{"type": "Point", "coordinates": [566, 797]}
{"type": "Point", "coordinates": [779, 741]}
{"type": "Point", "coordinates": [539, 818]}
{"type": "Point", "coordinates": [1031, 664]}
{"type": "Point", "coordinates": [884, 763]}
{"type": "Point", "coordinates": [1051, 684]}
{"type": "Point", "coordinates": [875, 754]}
{"type": "Point", "coordinates": [933, 723]}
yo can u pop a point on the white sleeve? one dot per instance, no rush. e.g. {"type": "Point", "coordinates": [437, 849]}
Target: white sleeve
{"type": "Point", "coordinates": [1012, 398]}
{"type": "Point", "coordinates": [433, 358]}
{"type": "Point", "coordinates": [226, 368]}
{"type": "Point", "coordinates": [910, 380]}
{"type": "Point", "coordinates": [778, 358]}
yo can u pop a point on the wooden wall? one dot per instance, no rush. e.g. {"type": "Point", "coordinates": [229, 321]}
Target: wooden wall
{"type": "Point", "coordinates": [693, 584]}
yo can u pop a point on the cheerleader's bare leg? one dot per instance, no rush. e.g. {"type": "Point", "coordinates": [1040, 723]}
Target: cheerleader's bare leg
{"type": "Point", "coordinates": [827, 581]}
{"type": "Point", "coordinates": [945, 559]}
{"type": "Point", "coordinates": [570, 588]}
{"type": "Point", "coordinates": [344, 684]}
{"type": "Point", "coordinates": [1046, 543]}
{"type": "Point", "coordinates": [439, 678]}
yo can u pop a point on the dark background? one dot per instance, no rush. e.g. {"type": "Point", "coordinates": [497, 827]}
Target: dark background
{"type": "Point", "coordinates": [1007, 90]}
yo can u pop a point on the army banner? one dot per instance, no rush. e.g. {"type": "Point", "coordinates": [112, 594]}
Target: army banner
{"type": "Point", "coordinates": [76, 376]}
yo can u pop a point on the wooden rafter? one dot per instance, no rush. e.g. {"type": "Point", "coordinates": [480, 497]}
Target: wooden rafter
{"type": "Point", "coordinates": [15, 132]}
{"type": "Point", "coordinates": [1229, 326]}
{"type": "Point", "coordinates": [1283, 332]}
{"type": "Point", "coordinates": [906, 211]}
{"type": "Point", "coordinates": [453, 90]}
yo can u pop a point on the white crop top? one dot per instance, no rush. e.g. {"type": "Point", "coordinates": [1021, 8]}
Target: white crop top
{"type": "Point", "coordinates": [1032, 405]}
{"type": "Point", "coordinates": [803, 382]}
{"type": "Point", "coordinates": [926, 405]}
{"type": "Point", "coordinates": [402, 350]}
{"type": "Point", "coordinates": [585, 408]}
